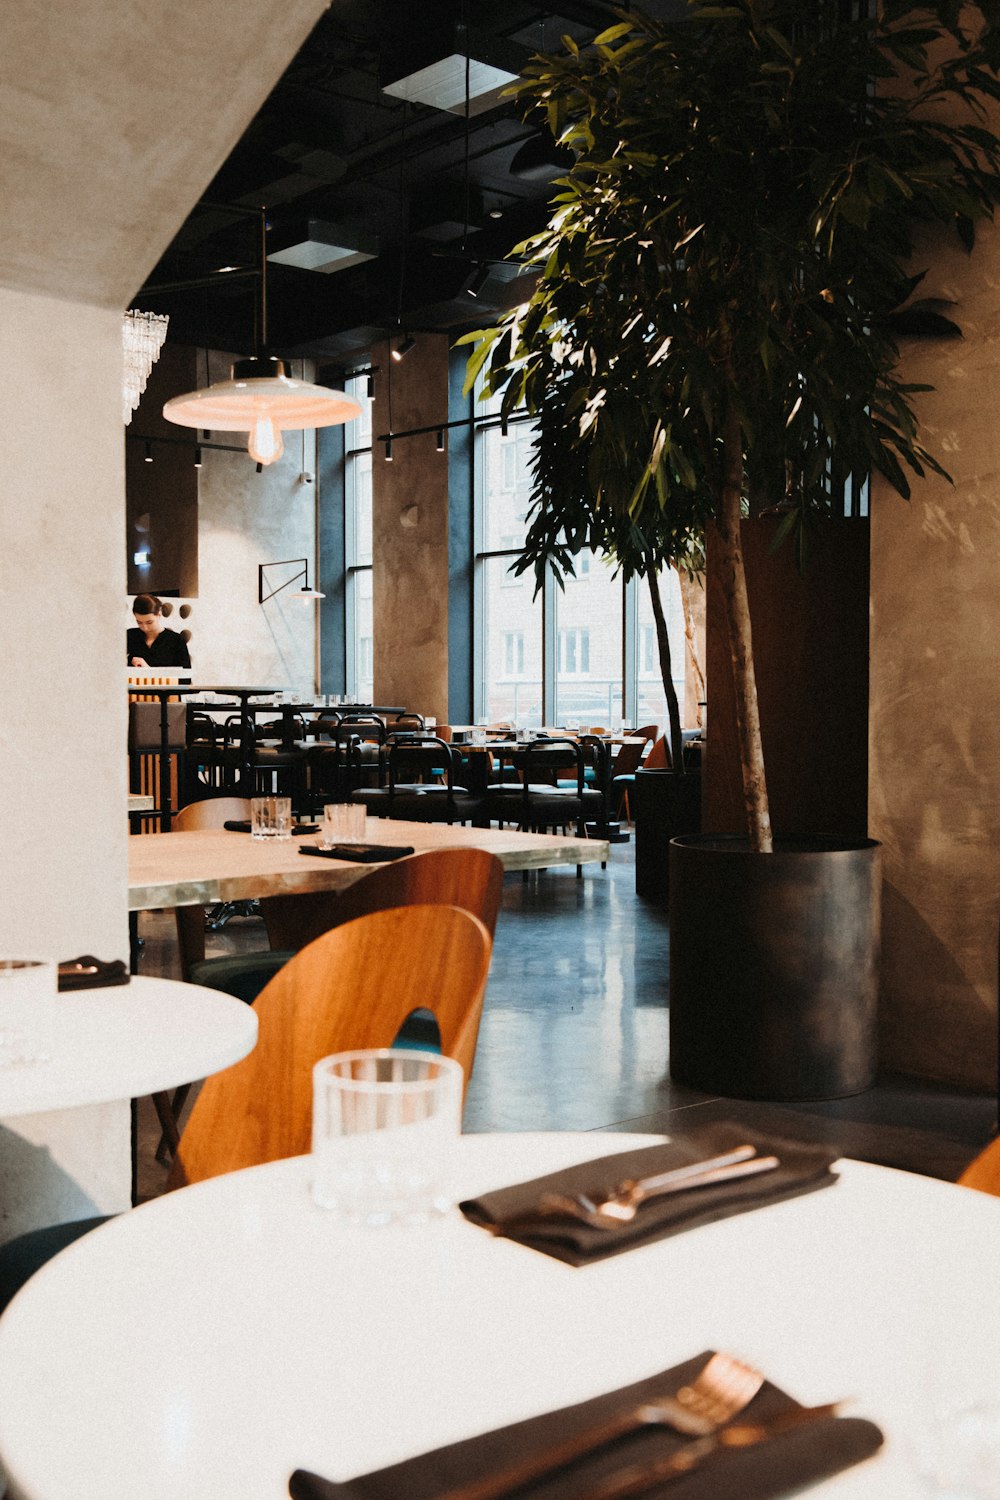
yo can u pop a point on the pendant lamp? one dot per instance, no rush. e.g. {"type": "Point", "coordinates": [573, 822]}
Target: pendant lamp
{"type": "Point", "coordinates": [261, 398]}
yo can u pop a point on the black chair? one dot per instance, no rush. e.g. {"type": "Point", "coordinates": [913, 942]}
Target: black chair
{"type": "Point", "coordinates": [420, 783]}
{"type": "Point", "coordinates": [353, 760]}
{"type": "Point", "coordinates": [537, 803]}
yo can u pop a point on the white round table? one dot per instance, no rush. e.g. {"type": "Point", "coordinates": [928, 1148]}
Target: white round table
{"type": "Point", "coordinates": [93, 1046]}
{"type": "Point", "coordinates": [212, 1341]}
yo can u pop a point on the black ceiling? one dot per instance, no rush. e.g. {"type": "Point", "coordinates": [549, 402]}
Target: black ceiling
{"type": "Point", "coordinates": [437, 192]}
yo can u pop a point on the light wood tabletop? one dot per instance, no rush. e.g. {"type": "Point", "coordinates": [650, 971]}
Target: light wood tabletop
{"type": "Point", "coordinates": [210, 864]}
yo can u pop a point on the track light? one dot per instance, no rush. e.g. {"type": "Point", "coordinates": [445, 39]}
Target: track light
{"type": "Point", "coordinates": [388, 451]}
{"type": "Point", "coordinates": [440, 440]}
{"type": "Point", "coordinates": [404, 348]}
{"type": "Point", "coordinates": [197, 457]}
{"type": "Point", "coordinates": [148, 455]}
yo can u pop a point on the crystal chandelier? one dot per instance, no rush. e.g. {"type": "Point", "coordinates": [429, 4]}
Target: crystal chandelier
{"type": "Point", "coordinates": [142, 339]}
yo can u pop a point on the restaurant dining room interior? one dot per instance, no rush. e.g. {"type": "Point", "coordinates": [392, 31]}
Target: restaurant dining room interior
{"type": "Point", "coordinates": [391, 972]}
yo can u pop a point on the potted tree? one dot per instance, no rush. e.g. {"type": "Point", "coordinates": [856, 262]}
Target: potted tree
{"type": "Point", "coordinates": [711, 332]}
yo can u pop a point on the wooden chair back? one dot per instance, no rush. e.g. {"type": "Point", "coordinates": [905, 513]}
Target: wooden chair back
{"type": "Point", "coordinates": [469, 878]}
{"type": "Point", "coordinates": [658, 758]}
{"type": "Point", "coordinates": [353, 987]}
{"type": "Point", "coordinates": [628, 758]}
{"type": "Point", "coordinates": [212, 812]}
{"type": "Point", "coordinates": [983, 1172]}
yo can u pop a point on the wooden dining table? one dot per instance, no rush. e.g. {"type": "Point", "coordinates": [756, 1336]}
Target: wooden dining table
{"type": "Point", "coordinates": [212, 864]}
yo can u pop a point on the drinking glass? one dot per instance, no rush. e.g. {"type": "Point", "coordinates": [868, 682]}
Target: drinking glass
{"type": "Point", "coordinates": [343, 823]}
{"type": "Point", "coordinates": [271, 817]}
{"type": "Point", "coordinates": [385, 1123]}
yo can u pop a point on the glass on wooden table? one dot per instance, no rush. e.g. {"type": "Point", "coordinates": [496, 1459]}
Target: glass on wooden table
{"type": "Point", "coordinates": [343, 823]}
{"type": "Point", "coordinates": [271, 817]}
{"type": "Point", "coordinates": [385, 1124]}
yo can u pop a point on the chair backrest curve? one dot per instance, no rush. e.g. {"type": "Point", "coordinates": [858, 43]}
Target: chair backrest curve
{"type": "Point", "coordinates": [352, 987]}
{"type": "Point", "coordinates": [469, 878]}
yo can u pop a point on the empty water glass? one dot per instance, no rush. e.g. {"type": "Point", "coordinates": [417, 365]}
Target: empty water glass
{"type": "Point", "coordinates": [385, 1123]}
{"type": "Point", "coordinates": [271, 817]}
{"type": "Point", "coordinates": [343, 823]}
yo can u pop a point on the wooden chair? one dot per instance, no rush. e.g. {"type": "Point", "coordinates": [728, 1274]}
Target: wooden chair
{"type": "Point", "coordinates": [352, 987]}
{"type": "Point", "coordinates": [623, 780]}
{"type": "Point", "coordinates": [983, 1172]}
{"type": "Point", "coordinates": [469, 878]}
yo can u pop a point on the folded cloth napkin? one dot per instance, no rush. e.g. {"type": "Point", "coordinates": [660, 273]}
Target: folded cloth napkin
{"type": "Point", "coordinates": [90, 973]}
{"type": "Point", "coordinates": [511, 1212]}
{"type": "Point", "coordinates": [242, 825]}
{"type": "Point", "coordinates": [361, 854]}
{"type": "Point", "coordinates": [784, 1462]}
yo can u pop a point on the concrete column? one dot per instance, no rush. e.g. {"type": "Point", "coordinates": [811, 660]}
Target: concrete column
{"type": "Point", "coordinates": [410, 530]}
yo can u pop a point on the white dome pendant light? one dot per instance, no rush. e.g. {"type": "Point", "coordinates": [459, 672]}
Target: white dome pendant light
{"type": "Point", "coordinates": [261, 398]}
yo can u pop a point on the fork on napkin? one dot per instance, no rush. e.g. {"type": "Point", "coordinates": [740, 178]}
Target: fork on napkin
{"type": "Point", "coordinates": [524, 1211]}
{"type": "Point", "coordinates": [783, 1462]}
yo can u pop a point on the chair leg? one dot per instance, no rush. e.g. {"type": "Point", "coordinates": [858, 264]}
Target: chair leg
{"type": "Point", "coordinates": [168, 1123]}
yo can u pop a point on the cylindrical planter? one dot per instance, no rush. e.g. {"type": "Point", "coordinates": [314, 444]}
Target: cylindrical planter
{"type": "Point", "coordinates": [774, 962]}
{"type": "Point", "coordinates": [663, 806]}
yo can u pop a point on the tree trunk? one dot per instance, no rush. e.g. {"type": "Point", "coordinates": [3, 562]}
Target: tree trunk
{"type": "Point", "coordinates": [734, 587]}
{"type": "Point", "coordinates": [676, 737]}
{"type": "Point", "coordinates": [692, 646]}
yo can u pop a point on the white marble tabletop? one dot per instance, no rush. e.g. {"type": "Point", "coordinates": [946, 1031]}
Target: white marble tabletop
{"type": "Point", "coordinates": [93, 1046]}
{"type": "Point", "coordinates": [212, 1341]}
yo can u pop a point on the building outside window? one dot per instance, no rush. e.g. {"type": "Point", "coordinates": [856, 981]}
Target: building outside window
{"type": "Point", "coordinates": [584, 653]}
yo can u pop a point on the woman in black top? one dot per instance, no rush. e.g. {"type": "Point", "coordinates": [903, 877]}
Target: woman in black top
{"type": "Point", "coordinates": [151, 644]}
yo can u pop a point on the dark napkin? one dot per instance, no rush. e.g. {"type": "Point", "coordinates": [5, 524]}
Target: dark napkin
{"type": "Point", "coordinates": [242, 825]}
{"type": "Point", "coordinates": [508, 1211]}
{"type": "Point", "coordinates": [361, 854]}
{"type": "Point", "coordinates": [73, 973]}
{"type": "Point", "coordinates": [780, 1464]}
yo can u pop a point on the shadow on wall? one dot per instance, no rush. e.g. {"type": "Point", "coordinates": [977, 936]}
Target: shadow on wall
{"type": "Point", "coordinates": [950, 1035]}
{"type": "Point", "coordinates": [31, 1177]}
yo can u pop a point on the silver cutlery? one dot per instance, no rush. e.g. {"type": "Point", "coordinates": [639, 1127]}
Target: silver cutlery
{"type": "Point", "coordinates": [639, 1478]}
{"type": "Point", "coordinates": [624, 1201]}
{"type": "Point", "coordinates": [720, 1391]}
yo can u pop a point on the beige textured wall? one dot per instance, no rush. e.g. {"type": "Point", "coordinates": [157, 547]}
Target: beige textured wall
{"type": "Point", "coordinates": [935, 697]}
{"type": "Point", "coordinates": [410, 531]}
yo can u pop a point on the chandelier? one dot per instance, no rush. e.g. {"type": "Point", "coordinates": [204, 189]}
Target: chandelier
{"type": "Point", "coordinates": [142, 339]}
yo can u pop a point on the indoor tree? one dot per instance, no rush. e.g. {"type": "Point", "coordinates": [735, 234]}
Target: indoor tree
{"type": "Point", "coordinates": [715, 319]}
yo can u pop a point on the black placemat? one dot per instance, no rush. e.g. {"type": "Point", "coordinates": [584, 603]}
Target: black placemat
{"type": "Point", "coordinates": [508, 1211]}
{"type": "Point", "coordinates": [90, 973]}
{"type": "Point", "coordinates": [242, 825]}
{"type": "Point", "coordinates": [360, 854]}
{"type": "Point", "coordinates": [785, 1462]}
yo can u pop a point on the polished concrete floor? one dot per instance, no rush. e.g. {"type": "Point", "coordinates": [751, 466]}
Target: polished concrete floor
{"type": "Point", "coordinates": [574, 1036]}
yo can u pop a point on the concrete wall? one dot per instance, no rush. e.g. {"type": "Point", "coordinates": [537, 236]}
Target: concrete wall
{"type": "Point", "coordinates": [410, 531]}
{"type": "Point", "coordinates": [93, 188]}
{"type": "Point", "coordinates": [935, 696]}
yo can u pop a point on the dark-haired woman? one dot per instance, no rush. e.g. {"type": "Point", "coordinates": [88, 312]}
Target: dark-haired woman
{"type": "Point", "coordinates": [151, 644]}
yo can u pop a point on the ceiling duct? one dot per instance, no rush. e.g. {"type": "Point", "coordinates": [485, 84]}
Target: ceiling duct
{"type": "Point", "coordinates": [315, 245]}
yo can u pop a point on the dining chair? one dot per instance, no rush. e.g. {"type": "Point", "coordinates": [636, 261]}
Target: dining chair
{"type": "Point", "coordinates": [536, 801]}
{"type": "Point", "coordinates": [421, 783]}
{"type": "Point", "coordinates": [346, 990]}
{"type": "Point", "coordinates": [983, 1172]}
{"type": "Point", "coordinates": [626, 763]}
{"type": "Point", "coordinates": [469, 878]}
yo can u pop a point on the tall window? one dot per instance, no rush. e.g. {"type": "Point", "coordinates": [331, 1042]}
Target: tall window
{"type": "Point", "coordinates": [509, 645]}
{"type": "Point", "coordinates": [358, 549]}
{"type": "Point", "coordinates": [586, 652]}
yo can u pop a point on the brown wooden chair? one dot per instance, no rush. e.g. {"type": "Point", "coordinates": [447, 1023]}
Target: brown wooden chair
{"type": "Point", "coordinates": [983, 1172]}
{"type": "Point", "coordinates": [469, 878]}
{"type": "Point", "coordinates": [353, 987]}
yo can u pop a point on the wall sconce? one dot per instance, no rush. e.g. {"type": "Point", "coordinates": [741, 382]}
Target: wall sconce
{"type": "Point", "coordinates": [305, 592]}
{"type": "Point", "coordinates": [141, 558]}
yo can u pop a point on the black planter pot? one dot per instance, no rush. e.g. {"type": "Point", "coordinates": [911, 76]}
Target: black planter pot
{"type": "Point", "coordinates": [774, 964]}
{"type": "Point", "coordinates": [664, 806]}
